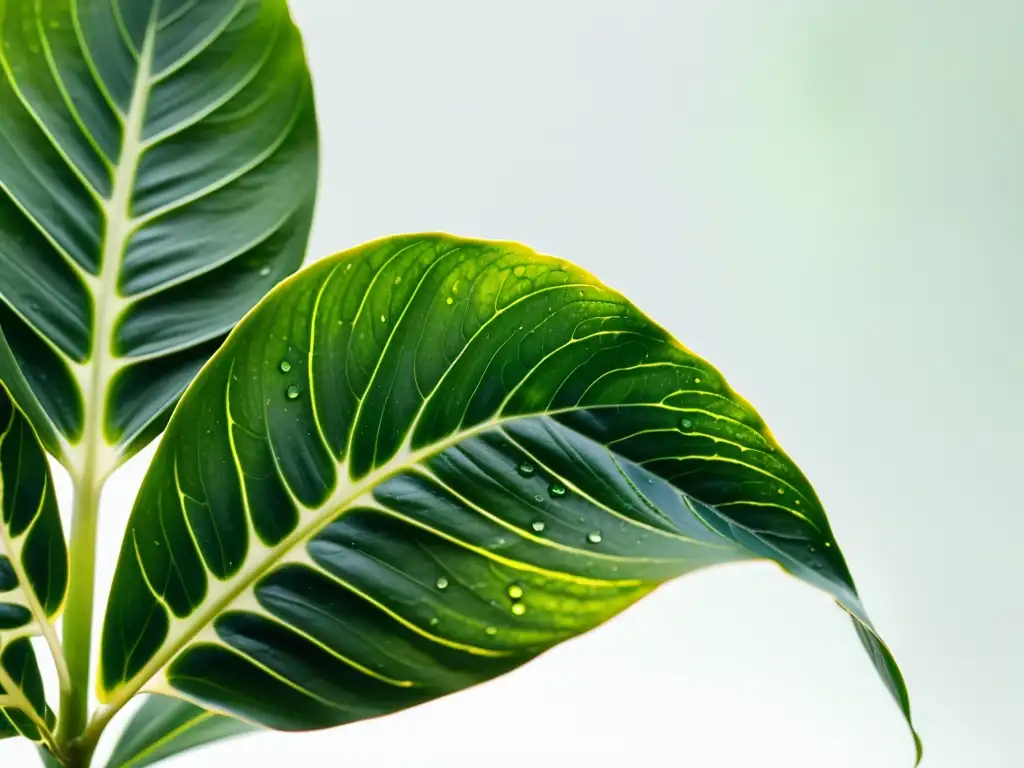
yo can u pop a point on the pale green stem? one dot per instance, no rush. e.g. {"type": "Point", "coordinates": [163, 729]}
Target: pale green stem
{"type": "Point", "coordinates": [78, 615]}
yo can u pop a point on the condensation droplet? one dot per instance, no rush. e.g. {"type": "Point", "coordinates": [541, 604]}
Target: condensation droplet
{"type": "Point", "coordinates": [811, 549]}
{"type": "Point", "coordinates": [696, 380]}
{"type": "Point", "coordinates": [492, 631]}
{"type": "Point", "coordinates": [781, 491]}
{"type": "Point", "coordinates": [383, 319]}
{"type": "Point", "coordinates": [292, 392]}
{"type": "Point", "coordinates": [515, 591]}
{"type": "Point", "coordinates": [556, 490]}
{"type": "Point", "coordinates": [449, 300]}
{"type": "Point", "coordinates": [526, 469]}
{"type": "Point", "coordinates": [434, 621]}
{"type": "Point", "coordinates": [828, 544]}
{"type": "Point", "coordinates": [518, 609]}
{"type": "Point", "coordinates": [398, 280]}
{"type": "Point", "coordinates": [442, 582]}
{"type": "Point", "coordinates": [538, 497]}
{"type": "Point", "coordinates": [798, 501]}
{"type": "Point", "coordinates": [519, 271]}
{"type": "Point", "coordinates": [264, 270]}
{"type": "Point", "coordinates": [686, 424]}
{"type": "Point", "coordinates": [594, 537]}
{"type": "Point", "coordinates": [538, 525]}
{"type": "Point", "coordinates": [285, 366]}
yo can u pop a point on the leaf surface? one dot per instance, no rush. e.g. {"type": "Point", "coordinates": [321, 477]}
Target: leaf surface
{"type": "Point", "coordinates": [157, 176]}
{"type": "Point", "coordinates": [164, 727]}
{"type": "Point", "coordinates": [33, 572]}
{"type": "Point", "coordinates": [421, 463]}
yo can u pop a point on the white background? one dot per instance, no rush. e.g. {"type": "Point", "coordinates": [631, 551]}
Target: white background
{"type": "Point", "coordinates": [825, 199]}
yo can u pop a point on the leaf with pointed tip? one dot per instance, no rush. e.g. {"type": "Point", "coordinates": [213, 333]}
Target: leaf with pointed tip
{"type": "Point", "coordinates": [419, 464]}
{"type": "Point", "coordinates": [33, 570]}
{"type": "Point", "coordinates": [164, 727]}
{"type": "Point", "coordinates": [158, 165]}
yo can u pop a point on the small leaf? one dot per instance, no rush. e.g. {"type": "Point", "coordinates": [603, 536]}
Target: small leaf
{"type": "Point", "coordinates": [33, 571]}
{"type": "Point", "coordinates": [390, 533]}
{"type": "Point", "coordinates": [164, 727]}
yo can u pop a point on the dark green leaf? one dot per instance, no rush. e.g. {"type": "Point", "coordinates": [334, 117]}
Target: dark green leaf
{"type": "Point", "coordinates": [158, 165]}
{"type": "Point", "coordinates": [33, 570]}
{"type": "Point", "coordinates": [163, 727]}
{"type": "Point", "coordinates": [419, 464]}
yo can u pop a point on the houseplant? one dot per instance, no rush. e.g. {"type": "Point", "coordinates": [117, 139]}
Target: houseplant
{"type": "Point", "coordinates": [412, 467]}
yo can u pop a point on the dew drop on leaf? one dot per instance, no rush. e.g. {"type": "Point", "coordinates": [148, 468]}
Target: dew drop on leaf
{"type": "Point", "coordinates": [538, 525]}
{"type": "Point", "coordinates": [519, 271]}
{"type": "Point", "coordinates": [285, 366]}
{"type": "Point", "coordinates": [696, 380]}
{"type": "Point", "coordinates": [292, 392]}
{"type": "Point", "coordinates": [450, 300]}
{"type": "Point", "coordinates": [492, 631]}
{"type": "Point", "coordinates": [556, 490]}
{"type": "Point", "coordinates": [264, 270]}
{"type": "Point", "coordinates": [686, 424]}
{"type": "Point", "coordinates": [442, 582]}
{"type": "Point", "coordinates": [526, 469]}
{"type": "Point", "coordinates": [594, 537]}
{"type": "Point", "coordinates": [515, 591]}
{"type": "Point", "coordinates": [518, 609]}
{"type": "Point", "coordinates": [383, 319]}
{"type": "Point", "coordinates": [434, 621]}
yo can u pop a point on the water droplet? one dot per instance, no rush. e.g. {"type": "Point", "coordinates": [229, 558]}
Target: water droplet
{"type": "Point", "coordinates": [526, 469]}
{"type": "Point", "coordinates": [492, 631]}
{"type": "Point", "coordinates": [398, 280]}
{"type": "Point", "coordinates": [285, 366]}
{"type": "Point", "coordinates": [538, 497]}
{"type": "Point", "coordinates": [264, 270]}
{"type": "Point", "coordinates": [518, 609]}
{"type": "Point", "coordinates": [828, 543]}
{"type": "Point", "coordinates": [798, 501]}
{"type": "Point", "coordinates": [434, 621]}
{"type": "Point", "coordinates": [594, 537]}
{"type": "Point", "coordinates": [449, 300]}
{"type": "Point", "coordinates": [538, 525]}
{"type": "Point", "coordinates": [686, 424]}
{"type": "Point", "coordinates": [383, 319]}
{"type": "Point", "coordinates": [696, 380]}
{"type": "Point", "coordinates": [519, 271]}
{"type": "Point", "coordinates": [556, 490]}
{"type": "Point", "coordinates": [292, 392]}
{"type": "Point", "coordinates": [811, 549]}
{"type": "Point", "coordinates": [348, 266]}
{"type": "Point", "coordinates": [782, 490]}
{"type": "Point", "coordinates": [515, 591]}
{"type": "Point", "coordinates": [442, 582]}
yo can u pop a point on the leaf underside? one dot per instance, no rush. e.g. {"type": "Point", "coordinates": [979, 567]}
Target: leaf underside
{"type": "Point", "coordinates": [157, 175]}
{"type": "Point", "coordinates": [421, 463]}
{"type": "Point", "coordinates": [33, 571]}
{"type": "Point", "coordinates": [163, 727]}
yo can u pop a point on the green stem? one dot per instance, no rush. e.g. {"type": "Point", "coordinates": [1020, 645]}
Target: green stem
{"type": "Point", "coordinates": [78, 615]}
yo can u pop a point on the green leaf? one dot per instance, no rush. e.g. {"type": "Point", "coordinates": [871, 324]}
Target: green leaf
{"type": "Point", "coordinates": [159, 164]}
{"type": "Point", "coordinates": [164, 727]}
{"type": "Point", "coordinates": [33, 572]}
{"type": "Point", "coordinates": [419, 464]}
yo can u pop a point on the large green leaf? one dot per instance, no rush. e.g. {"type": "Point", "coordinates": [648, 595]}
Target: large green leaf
{"type": "Point", "coordinates": [164, 727]}
{"type": "Point", "coordinates": [158, 163]}
{"type": "Point", "coordinates": [421, 463]}
{"type": "Point", "coordinates": [33, 572]}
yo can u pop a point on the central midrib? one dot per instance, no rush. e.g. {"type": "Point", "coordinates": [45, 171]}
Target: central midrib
{"type": "Point", "coordinates": [98, 458]}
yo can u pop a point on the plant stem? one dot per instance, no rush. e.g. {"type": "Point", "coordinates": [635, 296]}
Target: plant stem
{"type": "Point", "coordinates": [77, 630]}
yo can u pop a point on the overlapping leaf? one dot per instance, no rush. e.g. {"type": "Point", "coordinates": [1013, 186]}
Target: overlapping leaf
{"type": "Point", "coordinates": [157, 175]}
{"type": "Point", "coordinates": [163, 727]}
{"type": "Point", "coordinates": [33, 572]}
{"type": "Point", "coordinates": [420, 464]}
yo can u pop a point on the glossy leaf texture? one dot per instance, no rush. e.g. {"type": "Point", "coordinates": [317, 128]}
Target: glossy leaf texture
{"type": "Point", "coordinates": [158, 164]}
{"type": "Point", "coordinates": [33, 571]}
{"type": "Point", "coordinates": [163, 727]}
{"type": "Point", "coordinates": [419, 464]}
